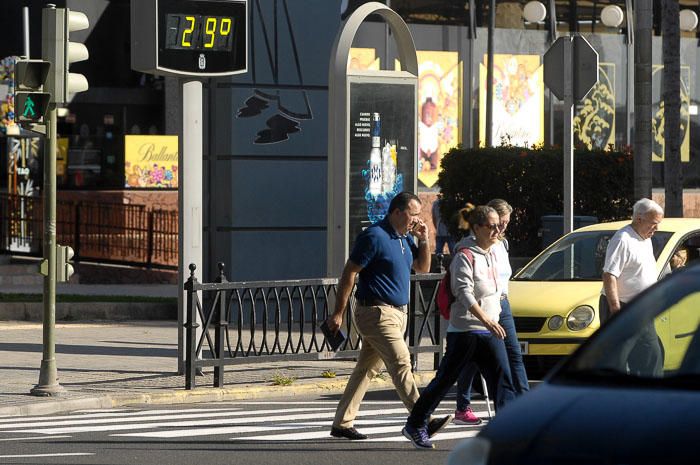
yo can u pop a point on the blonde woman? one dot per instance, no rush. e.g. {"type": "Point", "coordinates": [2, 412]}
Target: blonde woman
{"type": "Point", "coordinates": [464, 414]}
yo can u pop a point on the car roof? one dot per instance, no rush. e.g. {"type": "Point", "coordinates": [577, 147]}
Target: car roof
{"type": "Point", "coordinates": [679, 225]}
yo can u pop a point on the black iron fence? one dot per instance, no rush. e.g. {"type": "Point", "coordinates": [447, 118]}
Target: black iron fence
{"type": "Point", "coordinates": [229, 323]}
{"type": "Point", "coordinates": [116, 233]}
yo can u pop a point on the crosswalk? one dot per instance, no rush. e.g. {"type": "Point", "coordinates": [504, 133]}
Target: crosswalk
{"type": "Point", "coordinates": [239, 421]}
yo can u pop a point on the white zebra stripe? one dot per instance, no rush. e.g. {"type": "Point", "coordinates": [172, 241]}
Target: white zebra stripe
{"type": "Point", "coordinates": [108, 414]}
{"type": "Point", "coordinates": [33, 438]}
{"type": "Point", "coordinates": [146, 416]}
{"type": "Point", "coordinates": [219, 421]}
{"type": "Point", "coordinates": [304, 421]}
{"type": "Point", "coordinates": [29, 456]}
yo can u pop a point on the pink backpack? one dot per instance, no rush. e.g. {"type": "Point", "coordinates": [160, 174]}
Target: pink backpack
{"type": "Point", "coordinates": [444, 297]}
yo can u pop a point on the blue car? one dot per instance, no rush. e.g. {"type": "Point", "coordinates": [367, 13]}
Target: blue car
{"type": "Point", "coordinates": [599, 406]}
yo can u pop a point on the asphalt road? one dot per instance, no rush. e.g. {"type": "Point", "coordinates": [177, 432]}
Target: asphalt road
{"type": "Point", "coordinates": [244, 432]}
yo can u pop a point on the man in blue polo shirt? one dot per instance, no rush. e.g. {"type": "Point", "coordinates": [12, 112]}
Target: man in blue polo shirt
{"type": "Point", "coordinates": [383, 256]}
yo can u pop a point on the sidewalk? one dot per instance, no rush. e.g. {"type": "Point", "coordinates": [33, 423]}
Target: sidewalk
{"type": "Point", "coordinates": [110, 364]}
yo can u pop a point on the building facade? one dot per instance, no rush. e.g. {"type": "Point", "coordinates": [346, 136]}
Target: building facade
{"type": "Point", "coordinates": [265, 150]}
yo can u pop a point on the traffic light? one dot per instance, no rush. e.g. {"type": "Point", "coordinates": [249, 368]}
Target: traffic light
{"type": "Point", "coordinates": [64, 267]}
{"type": "Point", "coordinates": [57, 24]}
{"type": "Point", "coordinates": [31, 102]}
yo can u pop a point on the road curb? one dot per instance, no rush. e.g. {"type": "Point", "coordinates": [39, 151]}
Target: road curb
{"type": "Point", "coordinates": [201, 394]}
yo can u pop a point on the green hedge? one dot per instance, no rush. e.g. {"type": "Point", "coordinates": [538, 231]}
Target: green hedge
{"type": "Point", "coordinates": [531, 180]}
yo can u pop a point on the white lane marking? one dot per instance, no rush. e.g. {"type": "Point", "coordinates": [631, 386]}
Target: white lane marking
{"type": "Point", "coordinates": [314, 434]}
{"type": "Point", "coordinates": [459, 433]}
{"type": "Point", "coordinates": [146, 416]}
{"type": "Point", "coordinates": [397, 421]}
{"type": "Point", "coordinates": [204, 431]}
{"type": "Point", "coordinates": [25, 456]}
{"type": "Point", "coordinates": [111, 414]}
{"type": "Point", "coordinates": [100, 410]}
{"type": "Point", "coordinates": [439, 437]}
{"type": "Point", "coordinates": [32, 438]}
{"type": "Point", "coordinates": [221, 421]}
{"type": "Point", "coordinates": [443, 435]}
{"type": "Point", "coordinates": [335, 402]}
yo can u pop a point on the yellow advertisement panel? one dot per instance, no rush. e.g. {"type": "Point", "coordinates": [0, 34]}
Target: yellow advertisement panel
{"type": "Point", "coordinates": [439, 98]}
{"type": "Point", "coordinates": [363, 59]}
{"type": "Point", "coordinates": [150, 161]}
{"type": "Point", "coordinates": [594, 123]}
{"type": "Point", "coordinates": [658, 144]}
{"type": "Point", "coordinates": [518, 100]}
{"type": "Point", "coordinates": [61, 156]}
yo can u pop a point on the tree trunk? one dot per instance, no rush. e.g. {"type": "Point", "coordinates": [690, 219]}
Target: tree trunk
{"type": "Point", "coordinates": [642, 98]}
{"type": "Point", "coordinates": [673, 177]}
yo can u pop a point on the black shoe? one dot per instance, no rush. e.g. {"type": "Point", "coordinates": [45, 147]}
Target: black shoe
{"type": "Point", "coordinates": [349, 433]}
{"type": "Point", "coordinates": [436, 424]}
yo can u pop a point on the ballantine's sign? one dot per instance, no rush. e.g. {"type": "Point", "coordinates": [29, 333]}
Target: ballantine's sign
{"type": "Point", "coordinates": [150, 161]}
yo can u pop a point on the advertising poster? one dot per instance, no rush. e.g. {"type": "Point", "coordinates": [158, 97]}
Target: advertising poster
{"type": "Point", "coordinates": [657, 113]}
{"type": "Point", "coordinates": [7, 96]}
{"type": "Point", "coordinates": [150, 162]}
{"type": "Point", "coordinates": [594, 123]}
{"type": "Point", "coordinates": [382, 149]}
{"type": "Point", "coordinates": [518, 100]}
{"type": "Point", "coordinates": [439, 97]}
{"type": "Point", "coordinates": [363, 59]}
{"type": "Point", "coordinates": [25, 165]}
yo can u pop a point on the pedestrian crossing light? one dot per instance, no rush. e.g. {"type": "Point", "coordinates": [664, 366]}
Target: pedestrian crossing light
{"type": "Point", "coordinates": [31, 102]}
{"type": "Point", "coordinates": [64, 266]}
{"type": "Point", "coordinates": [57, 25]}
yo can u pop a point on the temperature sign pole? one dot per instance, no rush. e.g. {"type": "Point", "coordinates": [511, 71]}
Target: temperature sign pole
{"type": "Point", "coordinates": [191, 39]}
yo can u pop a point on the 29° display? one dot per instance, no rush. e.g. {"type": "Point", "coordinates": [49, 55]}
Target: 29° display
{"type": "Point", "coordinates": [189, 37]}
{"type": "Point", "coordinates": [198, 32]}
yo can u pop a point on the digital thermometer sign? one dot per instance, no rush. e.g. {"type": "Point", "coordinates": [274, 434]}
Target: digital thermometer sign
{"type": "Point", "coordinates": [189, 37]}
{"type": "Point", "coordinates": [197, 32]}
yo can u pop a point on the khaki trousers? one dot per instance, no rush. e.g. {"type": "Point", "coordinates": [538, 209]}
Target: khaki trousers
{"type": "Point", "coordinates": [382, 330]}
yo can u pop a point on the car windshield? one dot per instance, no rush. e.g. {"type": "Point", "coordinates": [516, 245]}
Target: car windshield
{"type": "Point", "coordinates": [654, 339]}
{"type": "Point", "coordinates": [578, 257]}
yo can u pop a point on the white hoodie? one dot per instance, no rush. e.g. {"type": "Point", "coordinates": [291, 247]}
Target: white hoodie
{"type": "Point", "coordinates": [474, 279]}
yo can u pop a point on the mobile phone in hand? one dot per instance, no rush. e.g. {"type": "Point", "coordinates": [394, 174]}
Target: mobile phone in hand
{"type": "Point", "coordinates": [334, 340]}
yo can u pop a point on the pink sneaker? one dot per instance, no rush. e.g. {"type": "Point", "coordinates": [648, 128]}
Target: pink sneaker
{"type": "Point", "coordinates": [466, 417]}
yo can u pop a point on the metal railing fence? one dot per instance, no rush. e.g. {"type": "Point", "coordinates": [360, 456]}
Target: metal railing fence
{"type": "Point", "coordinates": [108, 232]}
{"type": "Point", "coordinates": [230, 323]}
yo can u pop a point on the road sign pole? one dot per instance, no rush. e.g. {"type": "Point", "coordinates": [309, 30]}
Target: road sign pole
{"type": "Point", "coordinates": [570, 71]}
{"type": "Point", "coordinates": [568, 145]}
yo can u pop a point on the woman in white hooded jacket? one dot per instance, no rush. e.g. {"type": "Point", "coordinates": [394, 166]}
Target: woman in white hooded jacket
{"type": "Point", "coordinates": [473, 333]}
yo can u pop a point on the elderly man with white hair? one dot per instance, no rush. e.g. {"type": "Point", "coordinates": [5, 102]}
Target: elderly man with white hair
{"type": "Point", "coordinates": [630, 267]}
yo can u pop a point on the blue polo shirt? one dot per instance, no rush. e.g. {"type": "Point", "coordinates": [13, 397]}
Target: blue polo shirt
{"type": "Point", "coordinates": [386, 259]}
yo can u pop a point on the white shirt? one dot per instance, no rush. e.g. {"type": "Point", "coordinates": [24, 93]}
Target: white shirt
{"type": "Point", "coordinates": [630, 258]}
{"type": "Point", "coordinates": [503, 267]}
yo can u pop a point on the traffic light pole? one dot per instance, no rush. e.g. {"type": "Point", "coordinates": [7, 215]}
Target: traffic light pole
{"type": "Point", "coordinates": [48, 375]}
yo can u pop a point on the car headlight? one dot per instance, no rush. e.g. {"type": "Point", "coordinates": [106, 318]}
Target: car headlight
{"type": "Point", "coordinates": [472, 451]}
{"type": "Point", "coordinates": [555, 322]}
{"type": "Point", "coordinates": [580, 318]}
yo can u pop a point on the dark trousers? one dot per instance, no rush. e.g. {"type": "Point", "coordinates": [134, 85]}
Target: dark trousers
{"type": "Point", "coordinates": [641, 352]}
{"type": "Point", "coordinates": [440, 242]}
{"type": "Point", "coordinates": [489, 354]}
{"type": "Point", "coordinates": [515, 362]}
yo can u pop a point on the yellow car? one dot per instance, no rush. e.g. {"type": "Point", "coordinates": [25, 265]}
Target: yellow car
{"type": "Point", "coordinates": [554, 298]}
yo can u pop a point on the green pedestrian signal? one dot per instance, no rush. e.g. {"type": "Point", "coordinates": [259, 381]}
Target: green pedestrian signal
{"type": "Point", "coordinates": [30, 107]}
{"type": "Point", "coordinates": [31, 102]}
